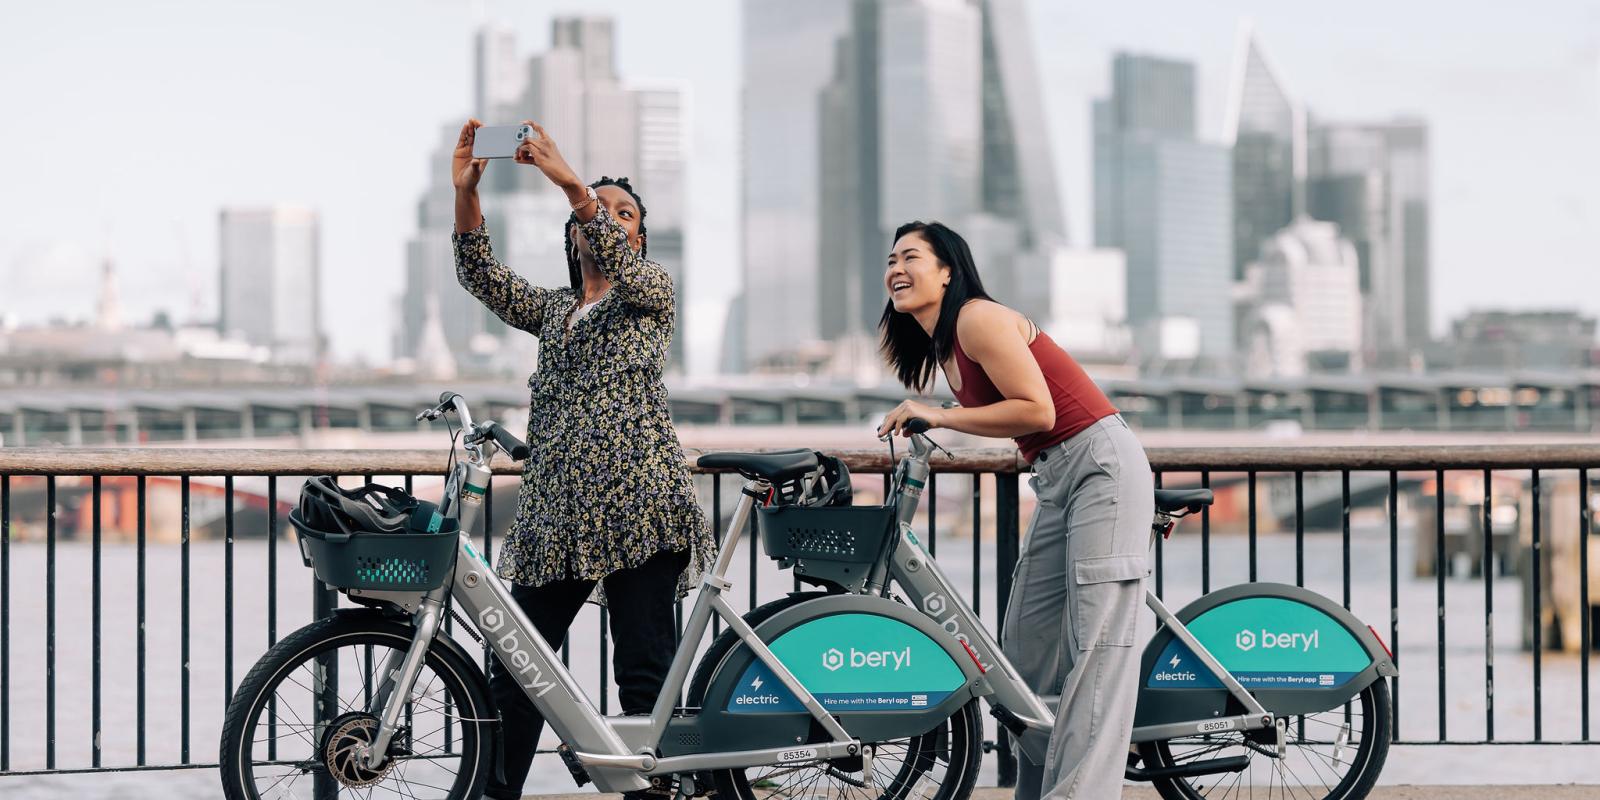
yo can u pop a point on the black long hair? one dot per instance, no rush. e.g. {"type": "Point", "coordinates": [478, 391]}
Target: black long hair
{"type": "Point", "coordinates": [915, 356]}
{"type": "Point", "coordinates": [574, 272]}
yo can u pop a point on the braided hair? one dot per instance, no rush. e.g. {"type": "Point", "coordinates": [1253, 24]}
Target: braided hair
{"type": "Point", "coordinates": [574, 272]}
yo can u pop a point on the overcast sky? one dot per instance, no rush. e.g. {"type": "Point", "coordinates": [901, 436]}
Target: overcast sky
{"type": "Point", "coordinates": [124, 127]}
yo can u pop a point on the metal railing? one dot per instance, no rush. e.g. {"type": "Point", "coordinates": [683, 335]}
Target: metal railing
{"type": "Point", "coordinates": [56, 498]}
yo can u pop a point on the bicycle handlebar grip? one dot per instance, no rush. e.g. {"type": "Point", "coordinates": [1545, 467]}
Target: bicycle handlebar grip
{"type": "Point", "coordinates": [513, 446]}
{"type": "Point", "coordinates": [917, 425]}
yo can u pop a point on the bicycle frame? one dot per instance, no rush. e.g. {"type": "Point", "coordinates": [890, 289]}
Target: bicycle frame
{"type": "Point", "coordinates": [616, 752]}
{"type": "Point", "coordinates": [1024, 712]}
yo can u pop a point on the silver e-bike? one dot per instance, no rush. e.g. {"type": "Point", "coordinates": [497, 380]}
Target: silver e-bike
{"type": "Point", "coordinates": [841, 695]}
{"type": "Point", "coordinates": [1260, 690]}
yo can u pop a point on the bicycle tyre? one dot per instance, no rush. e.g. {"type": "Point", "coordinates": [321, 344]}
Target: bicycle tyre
{"type": "Point", "coordinates": [466, 702]}
{"type": "Point", "coordinates": [1368, 760]}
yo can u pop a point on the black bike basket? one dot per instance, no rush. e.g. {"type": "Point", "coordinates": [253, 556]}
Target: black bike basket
{"type": "Point", "coordinates": [833, 543]}
{"type": "Point", "coordinates": [403, 562]}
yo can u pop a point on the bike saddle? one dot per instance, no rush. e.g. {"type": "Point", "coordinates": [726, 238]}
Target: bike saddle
{"type": "Point", "coordinates": [774, 467]}
{"type": "Point", "coordinates": [1171, 500]}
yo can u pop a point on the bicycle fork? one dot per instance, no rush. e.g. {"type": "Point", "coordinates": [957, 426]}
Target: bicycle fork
{"type": "Point", "coordinates": [465, 487]}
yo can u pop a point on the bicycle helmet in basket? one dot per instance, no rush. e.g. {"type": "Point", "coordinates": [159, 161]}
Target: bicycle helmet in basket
{"type": "Point", "coordinates": [326, 506]}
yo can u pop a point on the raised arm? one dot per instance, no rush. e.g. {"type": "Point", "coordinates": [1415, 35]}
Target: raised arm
{"type": "Point", "coordinates": [637, 280]}
{"type": "Point", "coordinates": [509, 295]}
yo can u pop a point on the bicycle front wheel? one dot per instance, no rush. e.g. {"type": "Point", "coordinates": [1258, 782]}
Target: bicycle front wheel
{"type": "Point", "coordinates": [1331, 755]}
{"type": "Point", "coordinates": [298, 724]}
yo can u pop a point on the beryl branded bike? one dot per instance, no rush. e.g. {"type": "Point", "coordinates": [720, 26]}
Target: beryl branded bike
{"type": "Point", "coordinates": [849, 694]}
{"type": "Point", "coordinates": [868, 687]}
{"type": "Point", "coordinates": [1256, 690]}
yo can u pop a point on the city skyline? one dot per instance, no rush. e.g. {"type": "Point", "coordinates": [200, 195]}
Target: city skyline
{"type": "Point", "coordinates": [1481, 85]}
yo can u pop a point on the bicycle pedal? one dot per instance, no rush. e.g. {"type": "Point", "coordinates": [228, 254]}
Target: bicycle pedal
{"type": "Point", "coordinates": [574, 766]}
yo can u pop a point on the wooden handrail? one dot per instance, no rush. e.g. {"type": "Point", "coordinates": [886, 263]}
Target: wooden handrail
{"type": "Point", "coordinates": [197, 461]}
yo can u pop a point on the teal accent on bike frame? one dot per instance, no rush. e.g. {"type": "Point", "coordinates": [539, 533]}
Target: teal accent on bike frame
{"type": "Point", "coordinates": [1265, 642]}
{"type": "Point", "coordinates": [852, 662]}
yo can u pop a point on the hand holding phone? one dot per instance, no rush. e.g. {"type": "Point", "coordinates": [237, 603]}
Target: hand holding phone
{"type": "Point", "coordinates": [499, 141]}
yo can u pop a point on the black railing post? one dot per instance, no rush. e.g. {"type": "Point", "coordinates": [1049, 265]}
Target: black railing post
{"type": "Point", "coordinates": [183, 614]}
{"type": "Point", "coordinates": [1205, 537]}
{"type": "Point", "coordinates": [272, 606]}
{"type": "Point", "coordinates": [94, 701]}
{"type": "Point", "coordinates": [1007, 544]}
{"type": "Point", "coordinates": [140, 613]}
{"type": "Point", "coordinates": [1584, 610]}
{"type": "Point", "coordinates": [50, 624]}
{"type": "Point", "coordinates": [5, 623]}
{"type": "Point", "coordinates": [1394, 596]}
{"type": "Point", "coordinates": [1438, 571]}
{"type": "Point", "coordinates": [1535, 550]}
{"type": "Point", "coordinates": [325, 689]}
{"type": "Point", "coordinates": [1488, 605]}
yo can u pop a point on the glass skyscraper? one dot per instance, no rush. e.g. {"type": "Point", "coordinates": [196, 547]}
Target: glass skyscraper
{"type": "Point", "coordinates": [1265, 128]}
{"type": "Point", "coordinates": [1165, 198]}
{"type": "Point", "coordinates": [842, 74]}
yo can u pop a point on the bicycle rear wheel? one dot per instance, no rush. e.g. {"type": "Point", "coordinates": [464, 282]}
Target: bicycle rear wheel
{"type": "Point", "coordinates": [1331, 755]}
{"type": "Point", "coordinates": [298, 723]}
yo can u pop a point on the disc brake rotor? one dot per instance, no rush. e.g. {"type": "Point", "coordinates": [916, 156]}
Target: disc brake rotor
{"type": "Point", "coordinates": [344, 751]}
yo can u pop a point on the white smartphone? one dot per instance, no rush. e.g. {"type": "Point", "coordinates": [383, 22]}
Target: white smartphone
{"type": "Point", "coordinates": [499, 141]}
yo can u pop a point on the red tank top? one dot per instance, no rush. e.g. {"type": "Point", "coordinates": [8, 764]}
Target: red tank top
{"type": "Point", "coordinates": [1079, 403]}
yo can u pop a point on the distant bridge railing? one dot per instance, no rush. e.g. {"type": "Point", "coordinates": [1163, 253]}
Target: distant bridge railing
{"type": "Point", "coordinates": [126, 611]}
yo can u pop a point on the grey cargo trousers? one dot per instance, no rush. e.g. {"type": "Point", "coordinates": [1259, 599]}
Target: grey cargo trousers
{"type": "Point", "coordinates": [1075, 608]}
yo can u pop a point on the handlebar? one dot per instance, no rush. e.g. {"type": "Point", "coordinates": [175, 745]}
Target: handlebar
{"type": "Point", "coordinates": [513, 446]}
{"type": "Point", "coordinates": [450, 401]}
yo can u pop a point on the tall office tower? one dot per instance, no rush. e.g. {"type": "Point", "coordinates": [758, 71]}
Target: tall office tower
{"type": "Point", "coordinates": [852, 242]}
{"type": "Point", "coordinates": [979, 161]}
{"type": "Point", "coordinates": [604, 128]}
{"type": "Point", "coordinates": [1372, 179]}
{"type": "Point", "coordinates": [1165, 199]}
{"type": "Point", "coordinates": [661, 113]}
{"type": "Point", "coordinates": [1265, 127]}
{"type": "Point", "coordinates": [929, 70]}
{"type": "Point", "coordinates": [575, 94]}
{"type": "Point", "coordinates": [498, 77]}
{"type": "Point", "coordinates": [789, 54]}
{"type": "Point", "coordinates": [271, 293]}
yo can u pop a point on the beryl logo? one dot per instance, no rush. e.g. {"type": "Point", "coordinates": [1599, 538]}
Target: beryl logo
{"type": "Point", "coordinates": [833, 659]}
{"type": "Point", "coordinates": [1268, 640]}
{"type": "Point", "coordinates": [514, 655]}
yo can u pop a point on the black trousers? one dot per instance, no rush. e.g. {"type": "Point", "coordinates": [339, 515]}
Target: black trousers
{"type": "Point", "coordinates": [640, 604]}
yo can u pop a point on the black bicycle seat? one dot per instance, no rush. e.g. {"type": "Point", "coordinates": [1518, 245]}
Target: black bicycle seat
{"type": "Point", "coordinates": [774, 467]}
{"type": "Point", "coordinates": [1171, 500]}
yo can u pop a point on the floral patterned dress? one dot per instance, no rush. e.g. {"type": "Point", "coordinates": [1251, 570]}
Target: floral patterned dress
{"type": "Point", "coordinates": [606, 486]}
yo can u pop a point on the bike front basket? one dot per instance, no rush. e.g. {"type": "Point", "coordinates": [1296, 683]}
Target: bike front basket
{"type": "Point", "coordinates": [401, 562]}
{"type": "Point", "coordinates": [837, 534]}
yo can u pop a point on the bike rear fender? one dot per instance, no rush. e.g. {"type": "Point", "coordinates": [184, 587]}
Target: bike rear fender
{"type": "Point", "coordinates": [1295, 650]}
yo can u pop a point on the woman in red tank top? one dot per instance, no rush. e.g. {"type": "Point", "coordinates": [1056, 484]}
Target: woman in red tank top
{"type": "Point", "coordinates": [1079, 582]}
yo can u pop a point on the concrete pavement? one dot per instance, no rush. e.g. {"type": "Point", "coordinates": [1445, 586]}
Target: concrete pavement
{"type": "Point", "coordinates": [1381, 793]}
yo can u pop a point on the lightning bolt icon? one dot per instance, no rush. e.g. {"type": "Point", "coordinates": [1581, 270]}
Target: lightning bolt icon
{"type": "Point", "coordinates": [1174, 662]}
{"type": "Point", "coordinates": [756, 684]}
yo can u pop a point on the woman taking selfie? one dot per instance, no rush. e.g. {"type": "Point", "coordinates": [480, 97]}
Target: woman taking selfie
{"type": "Point", "coordinates": [606, 495]}
{"type": "Point", "coordinates": [1079, 582]}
